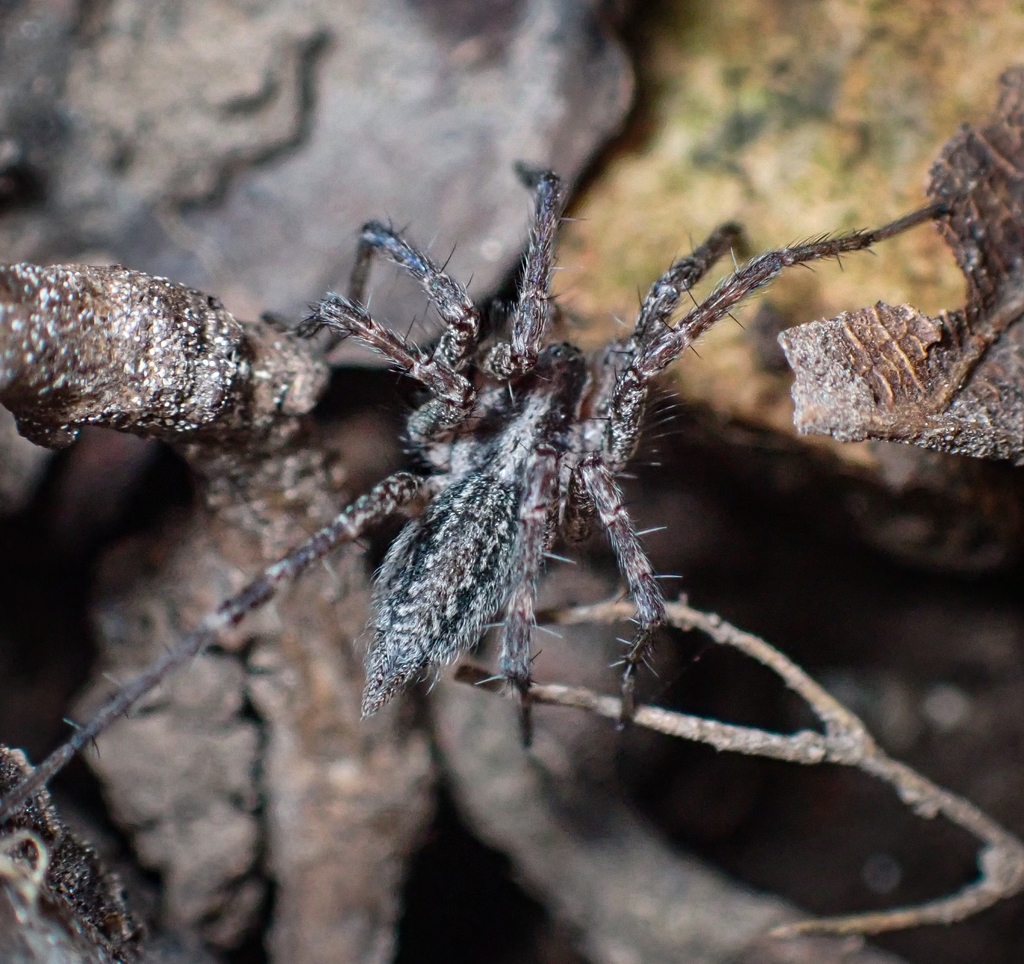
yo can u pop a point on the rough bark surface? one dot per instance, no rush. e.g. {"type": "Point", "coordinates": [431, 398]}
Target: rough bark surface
{"type": "Point", "coordinates": [238, 147]}
{"type": "Point", "coordinates": [82, 345]}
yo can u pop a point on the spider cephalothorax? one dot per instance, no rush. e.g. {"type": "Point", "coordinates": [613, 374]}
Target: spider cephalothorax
{"type": "Point", "coordinates": [521, 440]}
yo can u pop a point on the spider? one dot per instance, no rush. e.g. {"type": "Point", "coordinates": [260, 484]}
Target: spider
{"type": "Point", "coordinates": [516, 444]}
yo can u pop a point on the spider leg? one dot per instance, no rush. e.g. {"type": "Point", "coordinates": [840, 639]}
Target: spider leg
{"type": "Point", "coordinates": [663, 298]}
{"type": "Point", "coordinates": [344, 317]}
{"type": "Point", "coordinates": [661, 345]}
{"type": "Point", "coordinates": [452, 301]}
{"type": "Point", "coordinates": [664, 346]}
{"type": "Point", "coordinates": [382, 501]}
{"type": "Point", "coordinates": [621, 434]}
{"type": "Point", "coordinates": [599, 483]}
{"type": "Point", "coordinates": [519, 621]}
{"type": "Point", "coordinates": [533, 310]}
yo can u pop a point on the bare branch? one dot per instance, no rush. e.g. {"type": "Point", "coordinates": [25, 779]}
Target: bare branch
{"type": "Point", "coordinates": [845, 741]}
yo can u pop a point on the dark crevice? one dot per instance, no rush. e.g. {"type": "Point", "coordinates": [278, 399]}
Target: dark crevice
{"type": "Point", "coordinates": [462, 905]}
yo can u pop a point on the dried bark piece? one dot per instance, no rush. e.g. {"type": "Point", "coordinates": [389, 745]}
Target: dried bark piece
{"type": "Point", "coordinates": [28, 935]}
{"type": "Point", "coordinates": [83, 345]}
{"type": "Point", "coordinates": [954, 383]}
{"type": "Point", "coordinates": [75, 889]}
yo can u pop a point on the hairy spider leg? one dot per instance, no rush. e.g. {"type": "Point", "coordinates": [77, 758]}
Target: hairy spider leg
{"type": "Point", "coordinates": [381, 502]}
{"type": "Point", "coordinates": [599, 483]}
{"type": "Point", "coordinates": [451, 299]}
{"type": "Point", "coordinates": [663, 299]}
{"type": "Point", "coordinates": [532, 311]}
{"type": "Point", "coordinates": [579, 511]}
{"type": "Point", "coordinates": [348, 318]}
{"type": "Point", "coordinates": [623, 394]}
{"type": "Point", "coordinates": [662, 345]}
{"type": "Point", "coordinates": [453, 394]}
{"type": "Point", "coordinates": [535, 531]}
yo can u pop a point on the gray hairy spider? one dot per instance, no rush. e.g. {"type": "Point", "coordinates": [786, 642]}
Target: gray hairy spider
{"type": "Point", "coordinates": [518, 443]}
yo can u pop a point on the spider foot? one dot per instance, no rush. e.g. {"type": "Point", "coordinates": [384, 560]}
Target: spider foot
{"type": "Point", "coordinates": [525, 718]}
{"type": "Point", "coordinates": [628, 710]}
{"type": "Point", "coordinates": [639, 654]}
{"type": "Point", "coordinates": [519, 683]}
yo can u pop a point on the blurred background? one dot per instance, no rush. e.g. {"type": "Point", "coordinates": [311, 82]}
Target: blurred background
{"type": "Point", "coordinates": [237, 146]}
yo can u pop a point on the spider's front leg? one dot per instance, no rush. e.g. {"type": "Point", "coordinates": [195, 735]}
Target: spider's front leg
{"type": "Point", "coordinates": [622, 392]}
{"type": "Point", "coordinates": [599, 485]}
{"type": "Point", "coordinates": [453, 395]}
{"type": "Point", "coordinates": [659, 345]}
{"type": "Point", "coordinates": [663, 299]}
{"type": "Point", "coordinates": [532, 311]}
{"type": "Point", "coordinates": [451, 299]}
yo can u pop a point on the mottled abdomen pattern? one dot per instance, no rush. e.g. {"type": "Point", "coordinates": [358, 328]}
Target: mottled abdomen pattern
{"type": "Point", "coordinates": [448, 573]}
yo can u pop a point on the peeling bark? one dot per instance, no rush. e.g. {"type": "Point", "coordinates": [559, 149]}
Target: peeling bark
{"type": "Point", "coordinates": [954, 383]}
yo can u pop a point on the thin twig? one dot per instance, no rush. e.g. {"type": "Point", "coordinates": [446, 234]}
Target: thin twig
{"type": "Point", "coordinates": [845, 741]}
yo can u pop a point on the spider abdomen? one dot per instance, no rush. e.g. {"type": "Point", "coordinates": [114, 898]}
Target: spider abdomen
{"type": "Point", "coordinates": [448, 572]}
